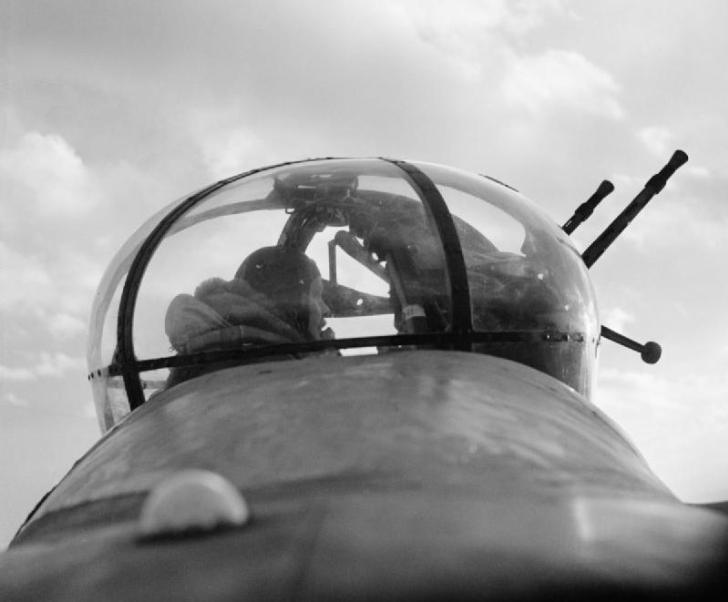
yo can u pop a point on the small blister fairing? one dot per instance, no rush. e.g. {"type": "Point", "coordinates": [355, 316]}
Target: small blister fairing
{"type": "Point", "coordinates": [339, 256]}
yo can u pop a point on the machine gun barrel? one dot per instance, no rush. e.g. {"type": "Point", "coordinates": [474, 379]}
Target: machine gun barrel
{"type": "Point", "coordinates": [584, 210]}
{"type": "Point", "coordinates": [654, 185]}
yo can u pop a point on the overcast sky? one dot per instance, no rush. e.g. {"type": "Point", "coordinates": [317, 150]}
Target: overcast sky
{"type": "Point", "coordinates": [111, 109]}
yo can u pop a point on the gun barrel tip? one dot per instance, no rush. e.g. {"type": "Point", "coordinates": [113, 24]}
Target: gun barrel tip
{"type": "Point", "coordinates": [606, 187]}
{"type": "Point", "coordinates": [679, 157]}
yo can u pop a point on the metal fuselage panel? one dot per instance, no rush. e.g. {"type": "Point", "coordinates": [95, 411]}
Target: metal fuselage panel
{"type": "Point", "coordinates": [434, 418]}
{"type": "Point", "coordinates": [408, 475]}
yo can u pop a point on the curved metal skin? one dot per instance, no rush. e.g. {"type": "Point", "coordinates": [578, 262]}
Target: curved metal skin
{"type": "Point", "coordinates": [406, 476]}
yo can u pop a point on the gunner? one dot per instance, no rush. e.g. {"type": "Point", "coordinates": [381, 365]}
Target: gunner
{"type": "Point", "coordinates": [276, 296]}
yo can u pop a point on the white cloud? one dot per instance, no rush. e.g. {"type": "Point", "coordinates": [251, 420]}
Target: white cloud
{"type": "Point", "coordinates": [232, 152]}
{"type": "Point", "coordinates": [645, 385]}
{"type": "Point", "coordinates": [56, 289]}
{"type": "Point", "coordinates": [525, 16]}
{"type": "Point", "coordinates": [455, 24]}
{"type": "Point", "coordinates": [658, 140]}
{"type": "Point", "coordinates": [458, 30]}
{"type": "Point", "coordinates": [681, 226]}
{"type": "Point", "coordinates": [228, 140]}
{"type": "Point", "coordinates": [697, 171]}
{"type": "Point", "coordinates": [561, 79]}
{"type": "Point", "coordinates": [45, 364]}
{"type": "Point", "coordinates": [617, 318]}
{"type": "Point", "coordinates": [44, 173]}
{"type": "Point", "coordinates": [23, 279]}
{"type": "Point", "coordinates": [679, 422]}
{"type": "Point", "coordinates": [15, 400]}
{"type": "Point", "coordinates": [57, 364]}
{"type": "Point", "coordinates": [63, 325]}
{"type": "Point", "coordinates": [76, 274]}
{"type": "Point", "coordinates": [9, 374]}
{"type": "Point", "coordinates": [473, 33]}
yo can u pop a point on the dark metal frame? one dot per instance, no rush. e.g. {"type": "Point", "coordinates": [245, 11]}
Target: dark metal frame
{"type": "Point", "coordinates": [459, 290]}
{"type": "Point", "coordinates": [436, 339]}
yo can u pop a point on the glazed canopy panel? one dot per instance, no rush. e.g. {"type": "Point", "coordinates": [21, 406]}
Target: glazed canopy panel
{"type": "Point", "coordinates": [524, 275]}
{"type": "Point", "coordinates": [338, 256]}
